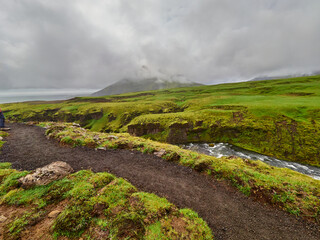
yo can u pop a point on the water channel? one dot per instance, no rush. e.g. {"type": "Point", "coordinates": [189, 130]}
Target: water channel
{"type": "Point", "coordinates": [225, 150]}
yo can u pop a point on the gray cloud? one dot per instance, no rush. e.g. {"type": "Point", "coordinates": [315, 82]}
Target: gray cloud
{"type": "Point", "coordinates": [84, 44]}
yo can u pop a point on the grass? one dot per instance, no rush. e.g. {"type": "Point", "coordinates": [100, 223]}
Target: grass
{"type": "Point", "coordinates": [286, 189]}
{"type": "Point", "coordinates": [2, 135]}
{"type": "Point", "coordinates": [280, 118]}
{"type": "Point", "coordinates": [96, 202]}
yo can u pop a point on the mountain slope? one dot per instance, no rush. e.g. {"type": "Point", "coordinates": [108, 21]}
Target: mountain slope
{"type": "Point", "coordinates": [146, 84]}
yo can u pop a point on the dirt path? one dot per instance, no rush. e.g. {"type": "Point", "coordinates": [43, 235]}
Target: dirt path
{"type": "Point", "coordinates": [229, 214]}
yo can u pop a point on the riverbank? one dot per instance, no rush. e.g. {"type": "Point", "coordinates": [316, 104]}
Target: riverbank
{"type": "Point", "coordinates": [228, 150]}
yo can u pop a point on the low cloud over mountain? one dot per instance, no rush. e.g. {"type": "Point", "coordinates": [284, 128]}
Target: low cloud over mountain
{"type": "Point", "coordinates": [84, 44]}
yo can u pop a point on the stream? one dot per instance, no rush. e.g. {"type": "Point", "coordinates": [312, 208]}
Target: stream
{"type": "Point", "coordinates": [225, 150]}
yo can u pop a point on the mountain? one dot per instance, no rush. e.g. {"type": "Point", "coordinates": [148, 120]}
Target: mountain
{"type": "Point", "coordinates": [145, 84]}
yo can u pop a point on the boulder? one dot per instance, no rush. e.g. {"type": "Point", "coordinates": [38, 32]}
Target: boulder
{"type": "Point", "coordinates": [46, 174]}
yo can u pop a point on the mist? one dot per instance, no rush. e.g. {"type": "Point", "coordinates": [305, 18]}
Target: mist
{"type": "Point", "coordinates": [85, 44]}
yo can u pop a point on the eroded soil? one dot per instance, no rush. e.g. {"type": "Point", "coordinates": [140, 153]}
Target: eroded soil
{"type": "Point", "coordinates": [229, 213]}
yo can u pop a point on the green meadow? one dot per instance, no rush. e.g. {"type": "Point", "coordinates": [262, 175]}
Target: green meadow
{"type": "Point", "coordinates": [279, 118]}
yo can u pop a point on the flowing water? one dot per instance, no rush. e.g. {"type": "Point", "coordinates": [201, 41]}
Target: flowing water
{"type": "Point", "coordinates": [225, 150]}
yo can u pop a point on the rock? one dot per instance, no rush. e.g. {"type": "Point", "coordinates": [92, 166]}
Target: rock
{"type": "Point", "coordinates": [76, 125]}
{"type": "Point", "coordinates": [110, 137]}
{"type": "Point", "coordinates": [160, 153]}
{"type": "Point", "coordinates": [3, 219]}
{"type": "Point", "coordinates": [54, 214]}
{"type": "Point", "coordinates": [211, 144]}
{"type": "Point", "coordinates": [101, 148]}
{"type": "Point", "coordinates": [46, 174]}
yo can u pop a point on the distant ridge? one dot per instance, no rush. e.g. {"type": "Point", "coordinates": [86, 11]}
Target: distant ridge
{"type": "Point", "coordinates": [285, 76]}
{"type": "Point", "coordinates": [145, 84]}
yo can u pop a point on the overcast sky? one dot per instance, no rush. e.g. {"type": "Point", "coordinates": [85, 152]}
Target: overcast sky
{"type": "Point", "coordinates": [85, 43]}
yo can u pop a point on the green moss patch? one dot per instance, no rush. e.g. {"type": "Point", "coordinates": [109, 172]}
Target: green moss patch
{"type": "Point", "coordinates": [97, 203]}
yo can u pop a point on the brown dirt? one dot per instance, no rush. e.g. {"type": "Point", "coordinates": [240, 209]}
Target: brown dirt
{"type": "Point", "coordinates": [10, 213]}
{"type": "Point", "coordinates": [229, 213]}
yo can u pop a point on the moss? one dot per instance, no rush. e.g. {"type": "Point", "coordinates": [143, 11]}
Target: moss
{"type": "Point", "coordinates": [154, 231]}
{"type": "Point", "coordinates": [67, 139]}
{"type": "Point", "coordinates": [97, 202]}
{"type": "Point", "coordinates": [2, 134]}
{"type": "Point", "coordinates": [30, 196]}
{"type": "Point", "coordinates": [153, 205]}
{"type": "Point", "coordinates": [195, 225]}
{"type": "Point", "coordinates": [5, 165]}
{"type": "Point", "coordinates": [9, 180]}
{"type": "Point", "coordinates": [73, 220]}
{"type": "Point", "coordinates": [253, 178]}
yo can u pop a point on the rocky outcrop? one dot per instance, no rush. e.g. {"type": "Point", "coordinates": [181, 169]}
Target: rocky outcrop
{"type": "Point", "coordinates": [46, 174]}
{"type": "Point", "coordinates": [144, 129]}
{"type": "Point", "coordinates": [178, 132]}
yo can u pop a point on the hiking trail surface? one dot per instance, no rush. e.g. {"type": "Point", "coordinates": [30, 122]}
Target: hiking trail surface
{"type": "Point", "coordinates": [229, 214]}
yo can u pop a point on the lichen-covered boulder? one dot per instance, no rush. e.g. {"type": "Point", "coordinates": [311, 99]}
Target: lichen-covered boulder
{"type": "Point", "coordinates": [47, 174]}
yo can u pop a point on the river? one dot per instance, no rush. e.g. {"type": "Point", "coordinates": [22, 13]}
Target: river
{"type": "Point", "coordinates": [225, 150]}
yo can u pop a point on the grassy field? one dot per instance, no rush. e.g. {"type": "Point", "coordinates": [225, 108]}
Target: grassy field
{"type": "Point", "coordinates": [92, 206]}
{"type": "Point", "coordinates": [279, 118]}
